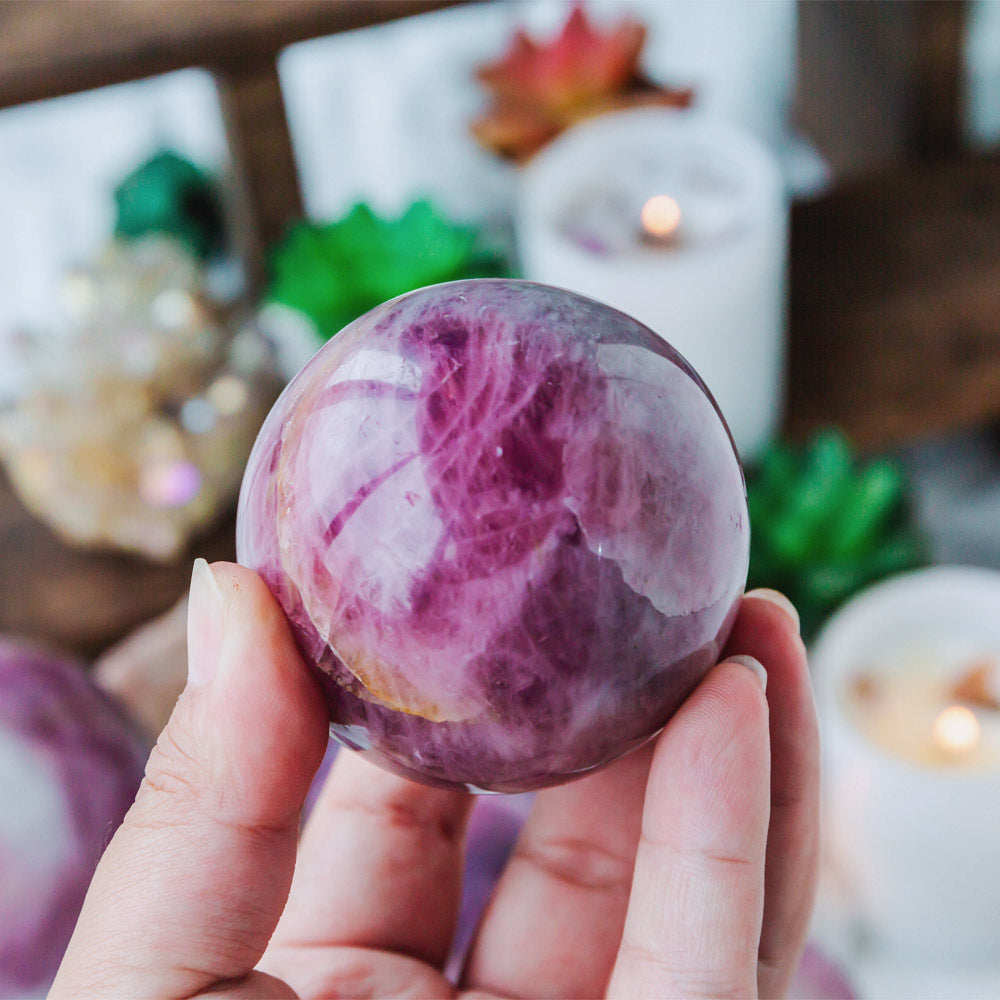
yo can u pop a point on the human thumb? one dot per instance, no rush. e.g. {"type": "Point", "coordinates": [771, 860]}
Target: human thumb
{"type": "Point", "coordinates": [192, 885]}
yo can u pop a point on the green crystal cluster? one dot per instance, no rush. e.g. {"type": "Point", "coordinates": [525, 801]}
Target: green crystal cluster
{"type": "Point", "coordinates": [169, 195]}
{"type": "Point", "coordinates": [334, 272]}
{"type": "Point", "coordinates": [825, 524]}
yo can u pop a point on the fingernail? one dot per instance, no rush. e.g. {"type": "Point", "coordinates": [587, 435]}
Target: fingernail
{"type": "Point", "coordinates": [778, 598]}
{"type": "Point", "coordinates": [204, 624]}
{"type": "Point", "coordinates": [751, 664]}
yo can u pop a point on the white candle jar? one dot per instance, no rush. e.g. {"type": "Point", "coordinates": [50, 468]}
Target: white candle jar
{"type": "Point", "coordinates": [916, 846]}
{"type": "Point", "coordinates": [714, 286]}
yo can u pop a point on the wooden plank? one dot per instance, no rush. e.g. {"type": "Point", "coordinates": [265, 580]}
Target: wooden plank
{"type": "Point", "coordinates": [84, 600]}
{"type": "Point", "coordinates": [938, 77]}
{"type": "Point", "coordinates": [52, 47]}
{"type": "Point", "coordinates": [263, 159]}
{"type": "Point", "coordinates": [895, 305]}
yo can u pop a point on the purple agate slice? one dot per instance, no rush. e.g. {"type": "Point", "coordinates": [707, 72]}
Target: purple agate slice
{"type": "Point", "coordinates": [508, 526]}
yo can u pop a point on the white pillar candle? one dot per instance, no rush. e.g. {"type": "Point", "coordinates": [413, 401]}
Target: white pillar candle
{"type": "Point", "coordinates": [912, 762]}
{"type": "Point", "coordinates": [680, 220]}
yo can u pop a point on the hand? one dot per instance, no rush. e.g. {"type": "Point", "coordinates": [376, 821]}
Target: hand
{"type": "Point", "coordinates": [684, 869]}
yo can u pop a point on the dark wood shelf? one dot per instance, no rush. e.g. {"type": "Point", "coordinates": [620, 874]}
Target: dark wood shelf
{"type": "Point", "coordinates": [51, 47]}
{"type": "Point", "coordinates": [895, 304]}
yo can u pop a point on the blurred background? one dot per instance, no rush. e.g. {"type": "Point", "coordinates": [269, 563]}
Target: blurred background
{"type": "Point", "coordinates": [194, 196]}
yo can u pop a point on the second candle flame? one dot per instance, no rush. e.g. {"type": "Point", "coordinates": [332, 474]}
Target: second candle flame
{"type": "Point", "coordinates": [956, 730]}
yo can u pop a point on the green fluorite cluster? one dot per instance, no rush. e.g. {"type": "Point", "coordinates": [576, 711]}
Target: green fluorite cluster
{"type": "Point", "coordinates": [334, 272]}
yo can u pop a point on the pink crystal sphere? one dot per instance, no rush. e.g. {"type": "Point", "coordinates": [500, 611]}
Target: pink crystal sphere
{"type": "Point", "coordinates": [508, 527]}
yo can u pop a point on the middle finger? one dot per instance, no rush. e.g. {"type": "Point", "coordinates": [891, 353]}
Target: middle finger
{"type": "Point", "coordinates": [555, 921]}
{"type": "Point", "coordinates": [379, 866]}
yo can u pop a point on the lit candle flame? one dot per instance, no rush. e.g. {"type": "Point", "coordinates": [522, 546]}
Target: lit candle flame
{"type": "Point", "coordinates": [956, 730]}
{"type": "Point", "coordinates": [660, 217]}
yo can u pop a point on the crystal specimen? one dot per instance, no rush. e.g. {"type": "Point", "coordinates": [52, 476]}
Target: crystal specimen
{"type": "Point", "coordinates": [508, 526]}
{"type": "Point", "coordinates": [70, 765]}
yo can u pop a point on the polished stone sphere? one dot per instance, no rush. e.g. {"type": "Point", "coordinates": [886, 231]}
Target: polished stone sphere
{"type": "Point", "coordinates": [70, 766]}
{"type": "Point", "coordinates": [508, 526]}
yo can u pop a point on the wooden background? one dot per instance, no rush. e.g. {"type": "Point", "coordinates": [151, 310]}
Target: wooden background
{"type": "Point", "coordinates": [894, 312]}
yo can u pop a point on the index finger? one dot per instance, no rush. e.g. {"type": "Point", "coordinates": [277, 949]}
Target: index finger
{"type": "Point", "coordinates": [191, 886]}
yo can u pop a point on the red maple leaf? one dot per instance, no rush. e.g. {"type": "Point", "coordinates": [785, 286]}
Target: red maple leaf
{"type": "Point", "coordinates": [578, 66]}
{"type": "Point", "coordinates": [540, 89]}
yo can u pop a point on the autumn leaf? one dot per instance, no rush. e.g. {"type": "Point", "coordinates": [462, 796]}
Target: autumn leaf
{"type": "Point", "coordinates": [540, 89]}
{"type": "Point", "coordinates": [578, 67]}
{"type": "Point", "coordinates": [514, 131]}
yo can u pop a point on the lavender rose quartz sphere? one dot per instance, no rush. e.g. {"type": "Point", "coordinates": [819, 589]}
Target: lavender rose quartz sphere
{"type": "Point", "coordinates": [508, 526]}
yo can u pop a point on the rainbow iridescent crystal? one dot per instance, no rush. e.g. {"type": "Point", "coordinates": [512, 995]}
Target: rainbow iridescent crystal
{"type": "Point", "coordinates": [508, 526]}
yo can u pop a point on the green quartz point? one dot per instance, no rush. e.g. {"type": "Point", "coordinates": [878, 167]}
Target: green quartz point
{"type": "Point", "coordinates": [169, 195]}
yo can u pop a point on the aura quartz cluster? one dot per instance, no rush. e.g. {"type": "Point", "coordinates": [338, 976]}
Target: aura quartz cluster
{"type": "Point", "coordinates": [70, 765]}
{"type": "Point", "coordinates": [508, 526]}
{"type": "Point", "coordinates": [133, 416]}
